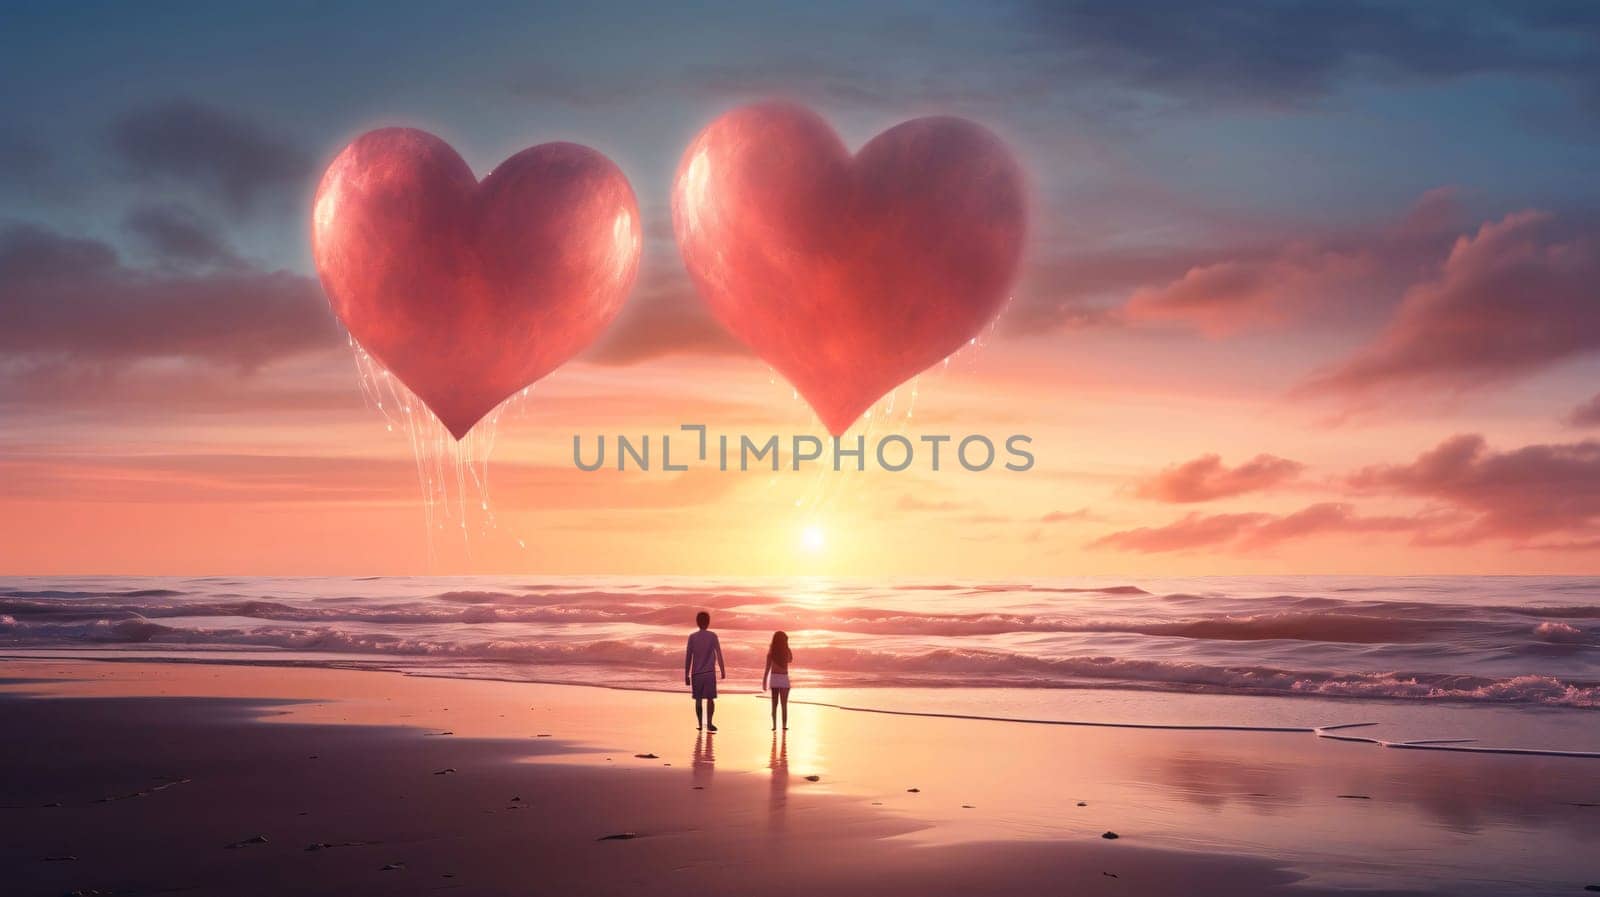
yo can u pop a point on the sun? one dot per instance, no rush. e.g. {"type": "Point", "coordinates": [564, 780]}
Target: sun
{"type": "Point", "coordinates": [813, 539]}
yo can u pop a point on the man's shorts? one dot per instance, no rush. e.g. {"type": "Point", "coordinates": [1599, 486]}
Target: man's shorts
{"type": "Point", "coordinates": [705, 685]}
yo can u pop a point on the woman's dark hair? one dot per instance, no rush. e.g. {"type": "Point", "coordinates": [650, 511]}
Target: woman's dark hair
{"type": "Point", "coordinates": [779, 651]}
{"type": "Point", "coordinates": [702, 619]}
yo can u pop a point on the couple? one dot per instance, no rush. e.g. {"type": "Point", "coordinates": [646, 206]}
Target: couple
{"type": "Point", "coordinates": [704, 658]}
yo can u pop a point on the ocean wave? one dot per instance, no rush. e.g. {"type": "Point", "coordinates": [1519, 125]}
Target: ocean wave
{"type": "Point", "coordinates": [121, 593]}
{"type": "Point", "coordinates": [1561, 633]}
{"type": "Point", "coordinates": [1023, 587]}
{"type": "Point", "coordinates": [1531, 689]}
{"type": "Point", "coordinates": [1575, 612]}
{"type": "Point", "coordinates": [1521, 641]}
{"type": "Point", "coordinates": [702, 599]}
{"type": "Point", "coordinates": [332, 640]}
{"type": "Point", "coordinates": [493, 607]}
{"type": "Point", "coordinates": [843, 664]}
{"type": "Point", "coordinates": [1326, 627]}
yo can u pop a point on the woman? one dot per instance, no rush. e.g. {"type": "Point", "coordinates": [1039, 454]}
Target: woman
{"type": "Point", "coordinates": [777, 675]}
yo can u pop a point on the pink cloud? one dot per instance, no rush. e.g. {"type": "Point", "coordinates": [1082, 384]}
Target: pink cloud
{"type": "Point", "coordinates": [1227, 297]}
{"type": "Point", "coordinates": [112, 389]}
{"type": "Point", "coordinates": [1533, 491]}
{"type": "Point", "coordinates": [1587, 414]}
{"type": "Point", "coordinates": [913, 503]}
{"type": "Point", "coordinates": [1318, 276]}
{"type": "Point", "coordinates": [1323, 518]}
{"type": "Point", "coordinates": [1084, 289]}
{"type": "Point", "coordinates": [1254, 532]}
{"type": "Point", "coordinates": [1206, 478]}
{"type": "Point", "coordinates": [1544, 497]}
{"type": "Point", "coordinates": [1508, 300]}
{"type": "Point", "coordinates": [1193, 531]}
{"type": "Point", "coordinates": [663, 318]}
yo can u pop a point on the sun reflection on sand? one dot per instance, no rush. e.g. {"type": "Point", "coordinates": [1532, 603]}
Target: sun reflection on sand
{"type": "Point", "coordinates": [704, 763]}
{"type": "Point", "coordinates": [778, 796]}
{"type": "Point", "coordinates": [800, 748]}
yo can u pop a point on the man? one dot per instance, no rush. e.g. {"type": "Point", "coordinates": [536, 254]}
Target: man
{"type": "Point", "coordinates": [700, 665]}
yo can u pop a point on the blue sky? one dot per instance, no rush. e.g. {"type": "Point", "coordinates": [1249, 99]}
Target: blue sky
{"type": "Point", "coordinates": [1266, 112]}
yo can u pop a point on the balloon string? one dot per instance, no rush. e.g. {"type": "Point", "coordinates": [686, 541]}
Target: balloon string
{"type": "Point", "coordinates": [452, 475]}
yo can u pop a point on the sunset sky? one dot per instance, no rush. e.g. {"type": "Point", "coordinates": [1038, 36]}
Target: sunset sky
{"type": "Point", "coordinates": [1304, 293]}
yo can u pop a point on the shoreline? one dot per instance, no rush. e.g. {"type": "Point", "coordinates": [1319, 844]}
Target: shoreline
{"type": "Point", "coordinates": [1326, 731]}
{"type": "Point", "coordinates": [1259, 810]}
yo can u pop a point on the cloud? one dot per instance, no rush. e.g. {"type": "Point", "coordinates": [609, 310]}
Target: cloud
{"type": "Point", "coordinates": [1587, 414]}
{"type": "Point", "coordinates": [1193, 531]}
{"type": "Point", "coordinates": [1542, 497]}
{"type": "Point", "coordinates": [140, 391]}
{"type": "Point", "coordinates": [1087, 289]}
{"type": "Point", "coordinates": [72, 298]}
{"type": "Point", "coordinates": [182, 141]}
{"type": "Point", "coordinates": [834, 76]}
{"type": "Point", "coordinates": [1206, 478]}
{"type": "Point", "coordinates": [1458, 310]}
{"type": "Point", "coordinates": [1245, 283]}
{"type": "Point", "coordinates": [1324, 518]}
{"type": "Point", "coordinates": [913, 503]}
{"type": "Point", "coordinates": [1264, 52]}
{"type": "Point", "coordinates": [1104, 56]}
{"type": "Point", "coordinates": [1533, 491]}
{"type": "Point", "coordinates": [1068, 516]}
{"type": "Point", "coordinates": [664, 319]}
{"type": "Point", "coordinates": [177, 235]}
{"type": "Point", "coordinates": [1229, 296]}
{"type": "Point", "coordinates": [1255, 288]}
{"type": "Point", "coordinates": [841, 81]}
{"type": "Point", "coordinates": [1255, 532]}
{"type": "Point", "coordinates": [1509, 300]}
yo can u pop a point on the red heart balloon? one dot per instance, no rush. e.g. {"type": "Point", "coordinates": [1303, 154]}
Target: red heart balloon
{"type": "Point", "coordinates": [849, 275]}
{"type": "Point", "coordinates": [470, 292]}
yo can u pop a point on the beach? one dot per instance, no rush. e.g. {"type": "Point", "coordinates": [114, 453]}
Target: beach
{"type": "Point", "coordinates": [1147, 449]}
{"type": "Point", "coordinates": [133, 777]}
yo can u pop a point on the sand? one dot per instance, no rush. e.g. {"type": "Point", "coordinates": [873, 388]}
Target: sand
{"type": "Point", "coordinates": [141, 778]}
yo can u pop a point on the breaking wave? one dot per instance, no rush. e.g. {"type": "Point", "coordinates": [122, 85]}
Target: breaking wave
{"type": "Point", "coordinates": [1471, 640]}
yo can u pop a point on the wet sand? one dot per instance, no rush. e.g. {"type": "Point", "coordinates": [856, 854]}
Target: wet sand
{"type": "Point", "coordinates": [137, 778]}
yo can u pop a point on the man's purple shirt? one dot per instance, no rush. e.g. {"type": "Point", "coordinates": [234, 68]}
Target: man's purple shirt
{"type": "Point", "coordinates": [703, 650]}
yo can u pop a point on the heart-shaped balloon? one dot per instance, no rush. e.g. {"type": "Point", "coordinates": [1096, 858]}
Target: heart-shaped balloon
{"type": "Point", "coordinates": [849, 275]}
{"type": "Point", "coordinates": [466, 291]}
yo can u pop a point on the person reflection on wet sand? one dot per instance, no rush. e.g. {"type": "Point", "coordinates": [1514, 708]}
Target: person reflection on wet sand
{"type": "Point", "coordinates": [705, 760]}
{"type": "Point", "coordinates": [778, 795]}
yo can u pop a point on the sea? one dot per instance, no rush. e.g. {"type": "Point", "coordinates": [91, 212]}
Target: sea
{"type": "Point", "coordinates": [1437, 662]}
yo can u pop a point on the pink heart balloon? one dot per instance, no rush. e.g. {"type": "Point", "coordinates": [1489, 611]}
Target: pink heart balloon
{"type": "Point", "coordinates": [470, 292]}
{"type": "Point", "coordinates": [849, 275]}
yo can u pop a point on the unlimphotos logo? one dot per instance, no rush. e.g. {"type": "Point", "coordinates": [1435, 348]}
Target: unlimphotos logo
{"type": "Point", "coordinates": [742, 451]}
